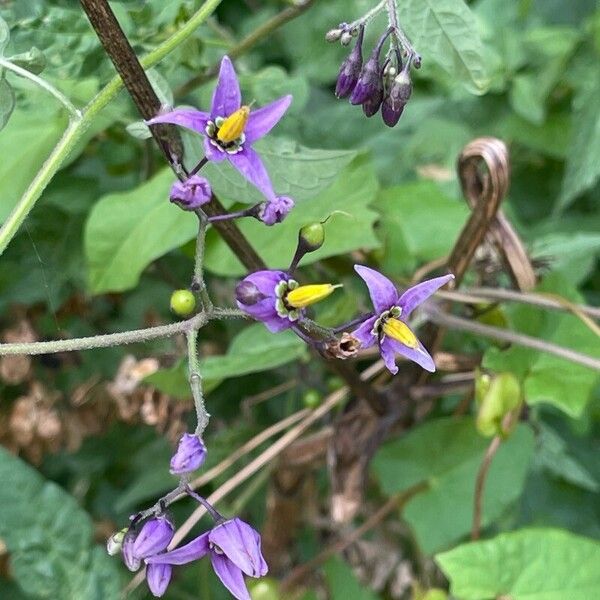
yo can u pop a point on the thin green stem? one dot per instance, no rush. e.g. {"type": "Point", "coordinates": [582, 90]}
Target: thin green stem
{"type": "Point", "coordinates": [78, 126]}
{"type": "Point", "coordinates": [75, 112]}
{"type": "Point", "coordinates": [198, 283]}
{"type": "Point", "coordinates": [196, 382]}
{"type": "Point", "coordinates": [368, 15]}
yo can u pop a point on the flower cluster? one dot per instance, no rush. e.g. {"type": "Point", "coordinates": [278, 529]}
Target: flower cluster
{"type": "Point", "coordinates": [233, 545]}
{"type": "Point", "coordinates": [229, 130]}
{"type": "Point", "coordinates": [376, 83]}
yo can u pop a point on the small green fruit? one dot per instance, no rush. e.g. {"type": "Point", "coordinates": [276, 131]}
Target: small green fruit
{"type": "Point", "coordinates": [312, 236]}
{"type": "Point", "coordinates": [265, 588]}
{"type": "Point", "coordinates": [183, 303]}
{"type": "Point", "coordinates": [312, 398]}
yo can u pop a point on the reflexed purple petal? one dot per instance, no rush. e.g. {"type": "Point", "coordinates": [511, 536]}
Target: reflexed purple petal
{"type": "Point", "coordinates": [227, 97]}
{"type": "Point", "coordinates": [190, 455]}
{"type": "Point", "coordinates": [213, 154]}
{"type": "Point", "coordinates": [154, 537]}
{"type": "Point", "coordinates": [192, 551]}
{"type": "Point", "coordinates": [266, 281]}
{"type": "Point", "coordinates": [132, 562]}
{"type": "Point", "coordinates": [277, 324]}
{"type": "Point", "coordinates": [158, 578]}
{"type": "Point", "coordinates": [383, 292]}
{"type": "Point", "coordinates": [230, 575]}
{"type": "Point", "coordinates": [417, 294]}
{"type": "Point", "coordinates": [251, 166]}
{"type": "Point", "coordinates": [261, 121]}
{"type": "Point", "coordinates": [388, 353]}
{"type": "Point", "coordinates": [241, 544]}
{"type": "Point", "coordinates": [418, 354]}
{"type": "Point", "coordinates": [185, 117]}
{"type": "Point", "coordinates": [363, 333]}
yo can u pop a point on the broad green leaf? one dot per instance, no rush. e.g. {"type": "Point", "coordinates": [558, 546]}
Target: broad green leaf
{"type": "Point", "coordinates": [447, 32]}
{"type": "Point", "coordinates": [7, 101]}
{"type": "Point", "coordinates": [343, 583]}
{"type": "Point", "coordinates": [583, 162]}
{"type": "Point", "coordinates": [50, 538]}
{"type": "Point", "coordinates": [348, 230]}
{"type": "Point", "coordinates": [126, 231]}
{"type": "Point", "coordinates": [161, 87]}
{"type": "Point", "coordinates": [4, 35]}
{"type": "Point", "coordinates": [548, 378]}
{"type": "Point", "coordinates": [446, 453]}
{"type": "Point", "coordinates": [530, 564]}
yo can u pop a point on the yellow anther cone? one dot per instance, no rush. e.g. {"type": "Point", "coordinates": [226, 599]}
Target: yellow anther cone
{"type": "Point", "coordinates": [305, 295]}
{"type": "Point", "coordinates": [233, 126]}
{"type": "Point", "coordinates": [400, 332]}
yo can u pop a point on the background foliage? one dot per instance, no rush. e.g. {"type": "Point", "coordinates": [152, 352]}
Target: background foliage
{"type": "Point", "coordinates": [103, 250]}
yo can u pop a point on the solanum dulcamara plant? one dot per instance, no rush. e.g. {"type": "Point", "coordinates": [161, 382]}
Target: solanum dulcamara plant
{"type": "Point", "coordinates": [277, 298]}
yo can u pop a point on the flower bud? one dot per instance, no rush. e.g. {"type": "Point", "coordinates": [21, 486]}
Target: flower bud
{"type": "Point", "coordinates": [346, 38]}
{"type": "Point", "coordinates": [311, 237]}
{"type": "Point", "coordinates": [190, 455]}
{"type": "Point", "coordinates": [371, 105]}
{"type": "Point", "coordinates": [396, 99]}
{"type": "Point", "coordinates": [275, 211]}
{"type": "Point", "coordinates": [333, 35]}
{"type": "Point", "coordinates": [191, 193]}
{"type": "Point", "coordinates": [154, 537]}
{"type": "Point", "coordinates": [114, 543]}
{"type": "Point", "coordinates": [132, 562]}
{"type": "Point", "coordinates": [247, 293]}
{"type": "Point", "coordinates": [158, 577]}
{"type": "Point", "coordinates": [370, 82]}
{"type": "Point", "coordinates": [496, 397]}
{"type": "Point", "coordinates": [350, 69]}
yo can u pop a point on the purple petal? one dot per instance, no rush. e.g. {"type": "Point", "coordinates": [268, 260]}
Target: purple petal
{"type": "Point", "coordinates": [132, 562]}
{"type": "Point", "coordinates": [418, 354]}
{"type": "Point", "coordinates": [277, 324]}
{"type": "Point", "coordinates": [154, 537]}
{"type": "Point", "coordinates": [230, 575]}
{"type": "Point", "coordinates": [261, 121]}
{"type": "Point", "coordinates": [266, 281]}
{"type": "Point", "coordinates": [190, 455]}
{"type": "Point", "coordinates": [212, 153]}
{"type": "Point", "coordinates": [241, 544]}
{"type": "Point", "coordinates": [192, 551]}
{"type": "Point", "coordinates": [158, 578]}
{"type": "Point", "coordinates": [363, 333]}
{"type": "Point", "coordinates": [251, 166]}
{"type": "Point", "coordinates": [185, 117]}
{"type": "Point", "coordinates": [275, 211]}
{"type": "Point", "coordinates": [227, 97]}
{"type": "Point", "coordinates": [417, 294]}
{"type": "Point", "coordinates": [388, 353]}
{"type": "Point", "coordinates": [383, 292]}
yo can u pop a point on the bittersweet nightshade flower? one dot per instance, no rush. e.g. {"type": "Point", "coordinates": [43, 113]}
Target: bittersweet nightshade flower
{"type": "Point", "coordinates": [230, 129]}
{"type": "Point", "coordinates": [132, 562]}
{"type": "Point", "coordinates": [370, 82]}
{"type": "Point", "coordinates": [396, 98]}
{"type": "Point", "coordinates": [276, 299]}
{"type": "Point", "coordinates": [350, 69]}
{"type": "Point", "coordinates": [158, 578]}
{"type": "Point", "coordinates": [192, 193]}
{"type": "Point", "coordinates": [154, 537]}
{"type": "Point", "coordinates": [388, 327]}
{"type": "Point", "coordinates": [190, 455]}
{"type": "Point", "coordinates": [234, 548]}
{"type": "Point", "coordinates": [275, 210]}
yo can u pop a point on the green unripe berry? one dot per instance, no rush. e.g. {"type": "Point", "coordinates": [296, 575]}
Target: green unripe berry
{"type": "Point", "coordinates": [264, 589]}
{"type": "Point", "coordinates": [311, 398]}
{"type": "Point", "coordinates": [183, 303]}
{"type": "Point", "coordinates": [311, 236]}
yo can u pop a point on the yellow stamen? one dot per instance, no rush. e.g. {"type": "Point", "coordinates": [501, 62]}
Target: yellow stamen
{"type": "Point", "coordinates": [400, 331]}
{"type": "Point", "coordinates": [233, 126]}
{"type": "Point", "coordinates": [305, 295]}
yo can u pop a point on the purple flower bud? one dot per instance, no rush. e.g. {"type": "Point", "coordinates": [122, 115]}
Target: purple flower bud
{"type": "Point", "coordinates": [132, 562]}
{"type": "Point", "coordinates": [396, 99]}
{"type": "Point", "coordinates": [190, 455]}
{"type": "Point", "coordinates": [191, 193]}
{"type": "Point", "coordinates": [370, 81]}
{"type": "Point", "coordinates": [154, 537]}
{"type": "Point", "coordinates": [247, 293]}
{"type": "Point", "coordinates": [350, 69]}
{"type": "Point", "coordinates": [371, 105]}
{"type": "Point", "coordinates": [158, 578]}
{"type": "Point", "coordinates": [275, 211]}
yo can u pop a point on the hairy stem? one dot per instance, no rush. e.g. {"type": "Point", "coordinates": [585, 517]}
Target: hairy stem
{"type": "Point", "coordinates": [202, 415]}
{"type": "Point", "coordinates": [198, 283]}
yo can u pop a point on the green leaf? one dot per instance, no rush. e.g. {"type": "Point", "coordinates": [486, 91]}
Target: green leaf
{"type": "Point", "coordinates": [33, 60]}
{"type": "Point", "coordinates": [343, 583]}
{"type": "Point", "coordinates": [126, 231]}
{"type": "Point", "coordinates": [583, 162]}
{"type": "Point", "coordinates": [7, 101]}
{"type": "Point", "coordinates": [446, 453]}
{"type": "Point", "coordinates": [447, 32]}
{"type": "Point", "coordinates": [50, 538]}
{"type": "Point", "coordinates": [351, 193]}
{"type": "Point", "coordinates": [161, 87]}
{"type": "Point", "coordinates": [530, 564]}
{"type": "Point", "coordinates": [4, 35]}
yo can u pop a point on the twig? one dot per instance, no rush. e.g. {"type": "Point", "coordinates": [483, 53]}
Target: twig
{"type": "Point", "coordinates": [436, 315]}
{"type": "Point", "coordinates": [480, 483]}
{"type": "Point", "coordinates": [396, 502]}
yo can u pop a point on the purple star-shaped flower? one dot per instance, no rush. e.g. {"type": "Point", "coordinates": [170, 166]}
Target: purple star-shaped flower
{"type": "Point", "coordinates": [230, 129]}
{"type": "Point", "coordinates": [388, 327]}
{"type": "Point", "coordinates": [234, 549]}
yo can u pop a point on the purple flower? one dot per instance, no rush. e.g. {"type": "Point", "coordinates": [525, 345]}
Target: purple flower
{"type": "Point", "coordinates": [132, 562]}
{"type": "Point", "coordinates": [158, 578]}
{"type": "Point", "coordinates": [388, 326]}
{"type": "Point", "coordinates": [350, 69]}
{"type": "Point", "coordinates": [230, 129]}
{"type": "Point", "coordinates": [396, 98]}
{"type": "Point", "coordinates": [190, 455]}
{"type": "Point", "coordinates": [276, 210]}
{"type": "Point", "coordinates": [276, 299]}
{"type": "Point", "coordinates": [154, 537]}
{"type": "Point", "coordinates": [192, 193]}
{"type": "Point", "coordinates": [234, 549]}
{"type": "Point", "coordinates": [369, 86]}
